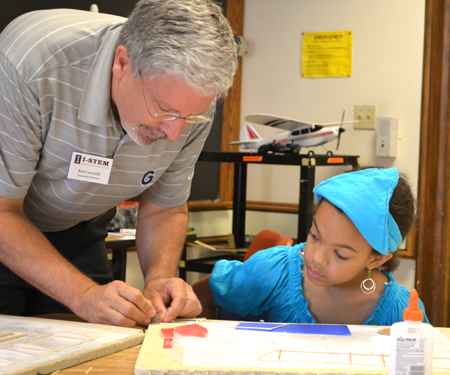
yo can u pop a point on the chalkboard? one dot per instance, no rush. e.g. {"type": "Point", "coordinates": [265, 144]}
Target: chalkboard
{"type": "Point", "coordinates": [206, 181]}
{"type": "Point", "coordinates": [205, 184]}
{"type": "Point", "coordinates": [16, 8]}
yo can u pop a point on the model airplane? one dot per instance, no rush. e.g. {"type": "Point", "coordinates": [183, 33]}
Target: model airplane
{"type": "Point", "coordinates": [283, 135]}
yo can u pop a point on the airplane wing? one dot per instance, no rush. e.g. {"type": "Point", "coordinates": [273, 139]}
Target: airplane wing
{"type": "Point", "coordinates": [277, 122]}
{"type": "Point", "coordinates": [287, 123]}
{"type": "Point", "coordinates": [325, 124]}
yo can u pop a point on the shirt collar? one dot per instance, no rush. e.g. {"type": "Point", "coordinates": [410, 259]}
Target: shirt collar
{"type": "Point", "coordinates": [95, 105]}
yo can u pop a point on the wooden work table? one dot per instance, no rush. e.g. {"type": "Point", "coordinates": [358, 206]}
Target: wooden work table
{"type": "Point", "coordinates": [122, 362]}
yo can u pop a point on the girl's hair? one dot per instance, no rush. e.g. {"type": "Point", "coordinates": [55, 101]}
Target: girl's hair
{"type": "Point", "coordinates": [401, 207]}
{"type": "Point", "coordinates": [190, 39]}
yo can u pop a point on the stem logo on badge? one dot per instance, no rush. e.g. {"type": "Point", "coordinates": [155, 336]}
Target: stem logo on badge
{"type": "Point", "coordinates": [90, 168]}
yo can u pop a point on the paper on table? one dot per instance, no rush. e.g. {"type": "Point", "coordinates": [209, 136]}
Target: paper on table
{"type": "Point", "coordinates": [228, 347]}
{"type": "Point", "coordinates": [122, 236]}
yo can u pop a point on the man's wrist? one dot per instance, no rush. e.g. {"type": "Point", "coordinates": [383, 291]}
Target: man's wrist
{"type": "Point", "coordinates": [78, 300]}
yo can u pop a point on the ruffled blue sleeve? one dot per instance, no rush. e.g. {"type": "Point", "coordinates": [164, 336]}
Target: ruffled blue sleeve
{"type": "Point", "coordinates": [390, 307]}
{"type": "Point", "coordinates": [250, 287]}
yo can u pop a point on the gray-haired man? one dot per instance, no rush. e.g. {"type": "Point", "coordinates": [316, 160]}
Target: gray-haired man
{"type": "Point", "coordinates": [95, 109]}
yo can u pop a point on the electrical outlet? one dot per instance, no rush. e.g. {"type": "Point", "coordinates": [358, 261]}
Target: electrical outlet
{"type": "Point", "coordinates": [365, 116]}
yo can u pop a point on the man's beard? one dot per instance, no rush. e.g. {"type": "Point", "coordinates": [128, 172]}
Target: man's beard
{"type": "Point", "coordinates": [142, 134]}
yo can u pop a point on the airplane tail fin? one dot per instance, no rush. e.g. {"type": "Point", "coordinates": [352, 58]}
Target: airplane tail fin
{"type": "Point", "coordinates": [248, 133]}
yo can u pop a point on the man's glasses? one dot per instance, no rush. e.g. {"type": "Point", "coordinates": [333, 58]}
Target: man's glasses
{"type": "Point", "coordinates": [173, 116]}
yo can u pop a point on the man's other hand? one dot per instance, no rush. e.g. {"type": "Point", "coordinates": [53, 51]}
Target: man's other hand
{"type": "Point", "coordinates": [172, 298]}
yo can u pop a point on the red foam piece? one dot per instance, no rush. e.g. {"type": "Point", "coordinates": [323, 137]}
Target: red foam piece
{"type": "Point", "coordinates": [167, 332]}
{"type": "Point", "coordinates": [192, 330]}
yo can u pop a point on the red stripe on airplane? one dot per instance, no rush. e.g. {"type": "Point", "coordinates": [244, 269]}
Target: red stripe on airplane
{"type": "Point", "coordinates": [252, 135]}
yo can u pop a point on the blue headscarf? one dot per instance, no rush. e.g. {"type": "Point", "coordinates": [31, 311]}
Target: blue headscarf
{"type": "Point", "coordinates": [364, 197]}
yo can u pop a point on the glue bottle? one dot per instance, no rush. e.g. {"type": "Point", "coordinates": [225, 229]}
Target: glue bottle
{"type": "Point", "coordinates": [412, 342]}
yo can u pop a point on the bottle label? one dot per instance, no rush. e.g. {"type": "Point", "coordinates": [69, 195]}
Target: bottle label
{"type": "Point", "coordinates": [410, 355]}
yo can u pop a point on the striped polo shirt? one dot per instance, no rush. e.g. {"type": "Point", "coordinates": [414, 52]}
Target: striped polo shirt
{"type": "Point", "coordinates": [55, 92]}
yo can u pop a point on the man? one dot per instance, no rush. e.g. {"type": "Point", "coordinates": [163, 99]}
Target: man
{"type": "Point", "coordinates": [95, 109]}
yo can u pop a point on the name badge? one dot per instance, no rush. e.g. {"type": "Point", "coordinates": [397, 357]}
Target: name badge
{"type": "Point", "coordinates": [90, 168]}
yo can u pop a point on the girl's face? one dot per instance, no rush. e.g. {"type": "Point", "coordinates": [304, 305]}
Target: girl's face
{"type": "Point", "coordinates": [335, 252]}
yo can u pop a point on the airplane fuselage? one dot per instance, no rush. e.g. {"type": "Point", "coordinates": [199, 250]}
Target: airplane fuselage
{"type": "Point", "coordinates": [308, 139]}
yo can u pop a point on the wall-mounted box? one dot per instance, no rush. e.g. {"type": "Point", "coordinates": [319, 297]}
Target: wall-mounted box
{"type": "Point", "coordinates": [387, 137]}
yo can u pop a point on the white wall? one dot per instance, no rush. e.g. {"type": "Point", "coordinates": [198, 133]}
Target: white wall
{"type": "Point", "coordinates": [387, 71]}
{"type": "Point", "coordinates": [388, 39]}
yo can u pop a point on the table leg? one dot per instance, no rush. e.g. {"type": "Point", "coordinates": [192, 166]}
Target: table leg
{"type": "Point", "coordinates": [119, 263]}
{"type": "Point", "coordinates": [239, 203]}
{"type": "Point", "coordinates": [305, 207]}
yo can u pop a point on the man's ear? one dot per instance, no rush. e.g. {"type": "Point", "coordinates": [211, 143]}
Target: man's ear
{"type": "Point", "coordinates": [122, 63]}
{"type": "Point", "coordinates": [378, 260]}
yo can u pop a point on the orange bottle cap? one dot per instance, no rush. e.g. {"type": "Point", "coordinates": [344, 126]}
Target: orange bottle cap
{"type": "Point", "coordinates": [413, 313]}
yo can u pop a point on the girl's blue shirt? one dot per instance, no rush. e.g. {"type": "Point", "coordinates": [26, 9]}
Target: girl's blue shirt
{"type": "Point", "coordinates": [272, 280]}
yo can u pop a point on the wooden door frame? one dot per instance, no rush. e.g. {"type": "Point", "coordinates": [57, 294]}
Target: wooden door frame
{"type": "Point", "coordinates": [231, 106]}
{"type": "Point", "coordinates": [432, 237]}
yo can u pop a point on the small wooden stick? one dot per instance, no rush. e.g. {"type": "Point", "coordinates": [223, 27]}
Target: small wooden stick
{"type": "Point", "coordinates": [205, 245]}
{"type": "Point", "coordinates": [7, 334]}
{"type": "Point", "coordinates": [270, 351]}
{"type": "Point", "coordinates": [11, 336]}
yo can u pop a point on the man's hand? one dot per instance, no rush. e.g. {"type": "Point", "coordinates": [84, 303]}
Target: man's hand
{"type": "Point", "coordinates": [116, 304]}
{"type": "Point", "coordinates": [171, 298]}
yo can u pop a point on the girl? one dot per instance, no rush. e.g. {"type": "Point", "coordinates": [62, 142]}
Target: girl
{"type": "Point", "coordinates": [342, 274]}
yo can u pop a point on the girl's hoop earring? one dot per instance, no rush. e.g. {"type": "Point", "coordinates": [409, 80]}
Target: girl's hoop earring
{"type": "Point", "coordinates": [371, 288]}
